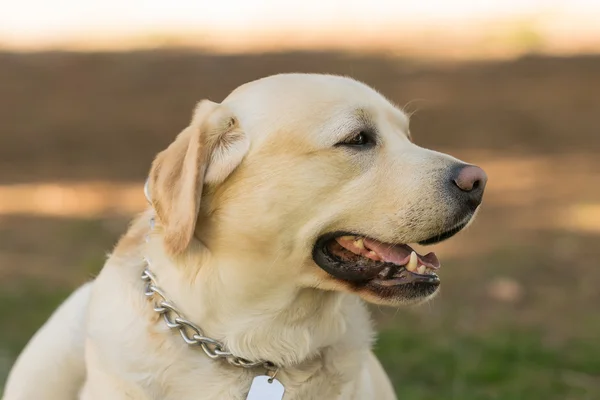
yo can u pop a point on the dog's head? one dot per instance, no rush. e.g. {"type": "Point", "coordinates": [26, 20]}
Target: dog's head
{"type": "Point", "coordinates": [312, 181]}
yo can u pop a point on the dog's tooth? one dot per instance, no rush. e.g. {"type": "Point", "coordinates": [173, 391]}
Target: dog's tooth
{"type": "Point", "coordinates": [349, 238]}
{"type": "Point", "coordinates": [421, 269]}
{"type": "Point", "coordinates": [412, 263]}
{"type": "Point", "coordinates": [359, 243]}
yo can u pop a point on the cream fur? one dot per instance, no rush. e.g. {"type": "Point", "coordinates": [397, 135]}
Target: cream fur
{"type": "Point", "coordinates": [232, 249]}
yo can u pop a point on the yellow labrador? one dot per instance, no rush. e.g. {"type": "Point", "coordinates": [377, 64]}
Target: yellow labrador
{"type": "Point", "coordinates": [273, 216]}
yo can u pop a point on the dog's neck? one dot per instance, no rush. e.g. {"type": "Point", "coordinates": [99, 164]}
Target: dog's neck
{"type": "Point", "coordinates": [259, 318]}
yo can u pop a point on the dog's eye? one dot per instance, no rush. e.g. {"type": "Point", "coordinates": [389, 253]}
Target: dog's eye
{"type": "Point", "coordinates": [360, 139]}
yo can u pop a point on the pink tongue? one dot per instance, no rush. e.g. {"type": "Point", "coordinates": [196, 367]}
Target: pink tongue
{"type": "Point", "coordinates": [400, 253]}
{"type": "Point", "coordinates": [397, 254]}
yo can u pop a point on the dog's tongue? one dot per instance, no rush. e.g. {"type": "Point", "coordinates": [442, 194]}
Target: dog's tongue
{"type": "Point", "coordinates": [400, 253]}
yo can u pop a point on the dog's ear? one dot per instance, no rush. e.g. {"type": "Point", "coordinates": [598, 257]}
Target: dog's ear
{"type": "Point", "coordinates": [206, 152]}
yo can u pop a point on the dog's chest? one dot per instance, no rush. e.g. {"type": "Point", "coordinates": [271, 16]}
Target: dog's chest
{"type": "Point", "coordinates": [215, 383]}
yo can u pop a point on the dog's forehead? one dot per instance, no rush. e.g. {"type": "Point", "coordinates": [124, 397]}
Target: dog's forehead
{"type": "Point", "coordinates": [310, 103]}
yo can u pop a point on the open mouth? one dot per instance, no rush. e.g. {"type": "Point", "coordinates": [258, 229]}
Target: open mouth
{"type": "Point", "coordinates": [359, 259]}
{"type": "Point", "coordinates": [387, 269]}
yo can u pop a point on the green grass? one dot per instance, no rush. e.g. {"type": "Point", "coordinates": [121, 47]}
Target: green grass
{"type": "Point", "coordinates": [510, 365]}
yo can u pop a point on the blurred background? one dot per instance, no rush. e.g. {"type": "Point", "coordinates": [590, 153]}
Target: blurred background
{"type": "Point", "coordinates": [91, 91]}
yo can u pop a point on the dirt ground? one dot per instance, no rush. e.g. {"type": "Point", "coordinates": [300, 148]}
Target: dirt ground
{"type": "Point", "coordinates": [520, 285]}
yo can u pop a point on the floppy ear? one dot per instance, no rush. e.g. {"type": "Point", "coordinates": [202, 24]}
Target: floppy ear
{"type": "Point", "coordinates": [205, 152]}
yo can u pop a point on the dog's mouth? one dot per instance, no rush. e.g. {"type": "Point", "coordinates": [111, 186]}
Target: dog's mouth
{"type": "Point", "coordinates": [388, 269]}
{"type": "Point", "coordinates": [359, 259]}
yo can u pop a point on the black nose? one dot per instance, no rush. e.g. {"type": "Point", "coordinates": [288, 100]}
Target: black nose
{"type": "Point", "coordinates": [468, 183]}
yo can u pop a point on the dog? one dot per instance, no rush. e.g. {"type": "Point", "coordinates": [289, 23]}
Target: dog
{"type": "Point", "coordinates": [274, 217]}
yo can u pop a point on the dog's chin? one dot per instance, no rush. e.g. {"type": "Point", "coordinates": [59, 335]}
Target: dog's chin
{"type": "Point", "coordinates": [380, 272]}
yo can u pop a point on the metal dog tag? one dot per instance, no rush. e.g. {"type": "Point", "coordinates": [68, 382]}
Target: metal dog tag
{"type": "Point", "coordinates": [265, 388]}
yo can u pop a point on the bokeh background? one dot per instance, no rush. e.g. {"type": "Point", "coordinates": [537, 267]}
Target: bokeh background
{"type": "Point", "coordinates": [91, 91]}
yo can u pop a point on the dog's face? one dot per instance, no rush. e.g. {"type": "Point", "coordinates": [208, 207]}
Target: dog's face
{"type": "Point", "coordinates": [314, 181]}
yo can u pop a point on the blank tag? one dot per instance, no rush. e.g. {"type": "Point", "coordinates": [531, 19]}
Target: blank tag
{"type": "Point", "coordinates": [261, 389]}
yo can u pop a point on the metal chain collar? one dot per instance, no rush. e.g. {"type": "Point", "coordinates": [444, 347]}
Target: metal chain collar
{"type": "Point", "coordinates": [190, 332]}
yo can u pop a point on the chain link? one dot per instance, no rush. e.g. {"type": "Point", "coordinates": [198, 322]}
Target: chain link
{"type": "Point", "coordinates": [190, 332]}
